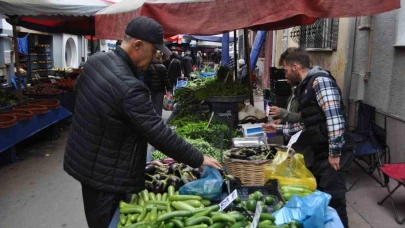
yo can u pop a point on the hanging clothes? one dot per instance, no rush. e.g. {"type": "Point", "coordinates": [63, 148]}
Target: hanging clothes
{"type": "Point", "coordinates": [23, 45]}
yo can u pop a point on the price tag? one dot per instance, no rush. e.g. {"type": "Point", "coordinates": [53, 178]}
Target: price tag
{"type": "Point", "coordinates": [294, 139]}
{"type": "Point", "coordinates": [258, 212]}
{"type": "Point", "coordinates": [228, 200]}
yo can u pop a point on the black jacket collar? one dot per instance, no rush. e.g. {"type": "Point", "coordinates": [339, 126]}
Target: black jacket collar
{"type": "Point", "coordinates": [120, 52]}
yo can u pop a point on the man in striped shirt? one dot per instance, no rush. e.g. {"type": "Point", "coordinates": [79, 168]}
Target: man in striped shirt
{"type": "Point", "coordinates": [324, 126]}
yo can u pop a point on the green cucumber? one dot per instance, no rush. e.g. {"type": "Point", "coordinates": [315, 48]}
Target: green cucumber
{"type": "Point", "coordinates": [177, 223]}
{"type": "Point", "coordinates": [123, 219]}
{"type": "Point", "coordinates": [198, 226]}
{"type": "Point", "coordinates": [194, 203]}
{"type": "Point", "coordinates": [174, 214]}
{"type": "Point", "coordinates": [170, 191]}
{"type": "Point", "coordinates": [267, 216]}
{"type": "Point", "coordinates": [145, 195]}
{"type": "Point", "coordinates": [141, 217]}
{"type": "Point", "coordinates": [153, 214]}
{"type": "Point", "coordinates": [159, 197]}
{"type": "Point", "coordinates": [133, 217]}
{"type": "Point", "coordinates": [156, 202]}
{"type": "Point", "coordinates": [164, 196]}
{"type": "Point", "coordinates": [223, 218]}
{"type": "Point", "coordinates": [265, 223]}
{"type": "Point", "coordinates": [169, 225]}
{"type": "Point", "coordinates": [182, 206]}
{"type": "Point", "coordinates": [218, 225]}
{"type": "Point", "coordinates": [199, 220]}
{"type": "Point", "coordinates": [206, 202]}
{"type": "Point", "coordinates": [141, 202]}
{"type": "Point", "coordinates": [239, 225]}
{"type": "Point", "coordinates": [184, 197]}
{"type": "Point", "coordinates": [238, 217]}
{"type": "Point", "coordinates": [152, 196]}
{"type": "Point", "coordinates": [131, 209]}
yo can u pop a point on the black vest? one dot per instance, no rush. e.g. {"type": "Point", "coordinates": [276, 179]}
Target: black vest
{"type": "Point", "coordinates": [314, 119]}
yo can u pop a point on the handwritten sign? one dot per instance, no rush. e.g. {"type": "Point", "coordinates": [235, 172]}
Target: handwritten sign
{"type": "Point", "coordinates": [228, 200]}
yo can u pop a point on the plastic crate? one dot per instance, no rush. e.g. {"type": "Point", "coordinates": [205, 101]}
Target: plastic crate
{"type": "Point", "coordinates": [41, 49]}
{"type": "Point", "coordinates": [33, 57]}
{"type": "Point", "coordinates": [45, 65]}
{"type": "Point", "coordinates": [233, 108]}
{"type": "Point", "coordinates": [44, 57]}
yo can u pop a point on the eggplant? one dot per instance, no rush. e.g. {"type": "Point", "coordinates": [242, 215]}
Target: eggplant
{"type": "Point", "coordinates": [175, 182]}
{"type": "Point", "coordinates": [236, 156]}
{"type": "Point", "coordinates": [150, 169]}
{"type": "Point", "coordinates": [149, 185]}
{"type": "Point", "coordinates": [159, 187]}
{"type": "Point", "coordinates": [196, 172]}
{"type": "Point", "coordinates": [173, 168]}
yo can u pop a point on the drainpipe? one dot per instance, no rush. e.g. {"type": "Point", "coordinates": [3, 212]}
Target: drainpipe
{"type": "Point", "coordinates": [370, 48]}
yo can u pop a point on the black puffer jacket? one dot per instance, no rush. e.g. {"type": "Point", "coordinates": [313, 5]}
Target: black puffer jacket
{"type": "Point", "coordinates": [112, 123]}
{"type": "Point", "coordinates": [156, 78]}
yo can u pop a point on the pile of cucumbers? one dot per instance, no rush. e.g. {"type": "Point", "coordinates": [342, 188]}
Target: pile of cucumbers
{"type": "Point", "coordinates": [170, 210]}
{"type": "Point", "coordinates": [294, 189]}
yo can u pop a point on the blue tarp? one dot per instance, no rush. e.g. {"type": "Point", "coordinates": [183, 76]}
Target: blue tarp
{"type": "Point", "coordinates": [225, 49]}
{"type": "Point", "coordinates": [24, 129]}
{"type": "Point", "coordinates": [23, 45]}
{"type": "Point", "coordinates": [254, 54]}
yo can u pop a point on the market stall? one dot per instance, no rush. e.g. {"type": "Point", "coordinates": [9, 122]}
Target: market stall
{"type": "Point", "coordinates": [265, 185]}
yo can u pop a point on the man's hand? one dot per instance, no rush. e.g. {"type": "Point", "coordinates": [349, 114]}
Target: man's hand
{"type": "Point", "coordinates": [274, 111]}
{"type": "Point", "coordinates": [269, 128]}
{"type": "Point", "coordinates": [334, 162]}
{"type": "Point", "coordinates": [212, 162]}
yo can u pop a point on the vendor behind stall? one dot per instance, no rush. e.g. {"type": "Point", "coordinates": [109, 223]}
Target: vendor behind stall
{"type": "Point", "coordinates": [114, 119]}
{"type": "Point", "coordinates": [324, 125]}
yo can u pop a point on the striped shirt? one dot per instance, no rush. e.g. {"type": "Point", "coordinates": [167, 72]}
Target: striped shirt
{"type": "Point", "coordinates": [328, 98]}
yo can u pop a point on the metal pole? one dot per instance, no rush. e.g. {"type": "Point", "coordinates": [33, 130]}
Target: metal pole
{"type": "Point", "coordinates": [91, 44]}
{"type": "Point", "coordinates": [234, 54]}
{"type": "Point", "coordinates": [249, 67]}
{"type": "Point", "coordinates": [16, 60]}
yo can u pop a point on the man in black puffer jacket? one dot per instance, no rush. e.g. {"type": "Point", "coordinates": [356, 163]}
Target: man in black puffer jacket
{"type": "Point", "coordinates": [158, 83]}
{"type": "Point", "coordinates": [114, 120]}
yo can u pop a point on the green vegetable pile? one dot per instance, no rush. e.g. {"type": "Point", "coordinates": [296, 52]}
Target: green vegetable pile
{"type": "Point", "coordinates": [219, 89]}
{"type": "Point", "coordinates": [202, 145]}
{"type": "Point", "coordinates": [171, 210]}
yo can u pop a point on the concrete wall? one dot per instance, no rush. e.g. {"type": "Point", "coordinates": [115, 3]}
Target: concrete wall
{"type": "Point", "coordinates": [385, 88]}
{"type": "Point", "coordinates": [57, 50]}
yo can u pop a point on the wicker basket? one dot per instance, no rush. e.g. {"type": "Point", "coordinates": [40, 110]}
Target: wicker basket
{"type": "Point", "coordinates": [250, 172]}
{"type": "Point", "coordinates": [48, 103]}
{"type": "Point", "coordinates": [20, 114]}
{"type": "Point", "coordinates": [36, 109]}
{"type": "Point", "coordinates": [7, 121]}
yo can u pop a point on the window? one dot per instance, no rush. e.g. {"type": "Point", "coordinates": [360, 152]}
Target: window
{"type": "Point", "coordinates": [323, 35]}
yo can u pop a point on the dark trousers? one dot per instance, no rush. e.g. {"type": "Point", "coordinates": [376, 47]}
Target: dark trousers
{"type": "Point", "coordinates": [157, 100]}
{"type": "Point", "coordinates": [334, 182]}
{"type": "Point", "coordinates": [99, 206]}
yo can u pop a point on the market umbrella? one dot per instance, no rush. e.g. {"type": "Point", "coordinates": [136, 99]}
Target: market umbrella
{"type": "Point", "coordinates": [207, 17]}
{"type": "Point", "coordinates": [67, 16]}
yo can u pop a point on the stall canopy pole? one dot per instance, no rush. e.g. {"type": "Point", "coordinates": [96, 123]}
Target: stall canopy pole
{"type": "Point", "coordinates": [235, 58]}
{"type": "Point", "coordinates": [249, 67]}
{"type": "Point", "coordinates": [91, 44]}
{"type": "Point", "coordinates": [14, 21]}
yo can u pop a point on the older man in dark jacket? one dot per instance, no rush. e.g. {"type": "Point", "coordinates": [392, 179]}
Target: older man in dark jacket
{"type": "Point", "coordinates": [114, 120]}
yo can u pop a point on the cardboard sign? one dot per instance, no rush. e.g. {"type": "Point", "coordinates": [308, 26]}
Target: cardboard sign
{"type": "Point", "coordinates": [256, 219]}
{"type": "Point", "coordinates": [294, 139]}
{"type": "Point", "coordinates": [228, 200]}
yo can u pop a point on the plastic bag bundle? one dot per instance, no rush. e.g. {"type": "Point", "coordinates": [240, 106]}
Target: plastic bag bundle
{"type": "Point", "coordinates": [209, 186]}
